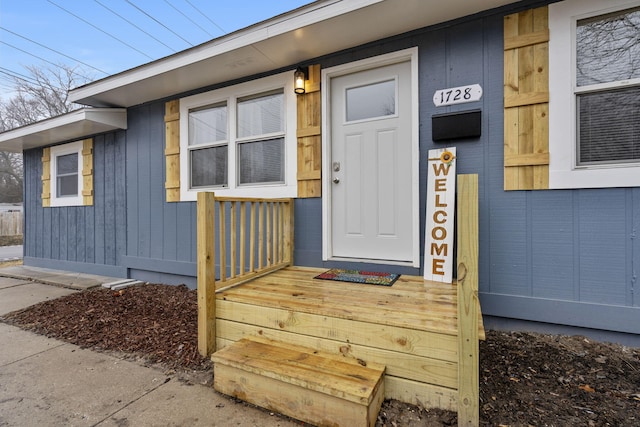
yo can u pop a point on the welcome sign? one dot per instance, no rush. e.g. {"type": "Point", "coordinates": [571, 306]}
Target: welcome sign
{"type": "Point", "coordinates": [441, 196]}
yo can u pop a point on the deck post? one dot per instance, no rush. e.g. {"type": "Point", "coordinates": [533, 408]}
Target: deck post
{"type": "Point", "coordinates": [467, 275]}
{"type": "Point", "coordinates": [206, 274]}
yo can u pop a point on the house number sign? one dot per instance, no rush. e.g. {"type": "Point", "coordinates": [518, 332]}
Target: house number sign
{"type": "Point", "coordinates": [457, 95]}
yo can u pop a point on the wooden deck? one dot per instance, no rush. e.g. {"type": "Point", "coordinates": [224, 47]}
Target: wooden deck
{"type": "Point", "coordinates": [410, 327]}
{"type": "Point", "coordinates": [425, 333]}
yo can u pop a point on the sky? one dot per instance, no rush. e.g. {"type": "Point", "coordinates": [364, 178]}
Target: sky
{"type": "Point", "coordinates": [104, 37]}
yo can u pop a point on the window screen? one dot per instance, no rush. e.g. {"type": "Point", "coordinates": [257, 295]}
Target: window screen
{"type": "Point", "coordinates": [607, 97]}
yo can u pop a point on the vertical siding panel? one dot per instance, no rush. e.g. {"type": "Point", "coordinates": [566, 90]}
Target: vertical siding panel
{"type": "Point", "coordinates": [121, 196]}
{"type": "Point", "coordinates": [80, 236]}
{"type": "Point", "coordinates": [170, 231]}
{"type": "Point", "coordinates": [64, 236]}
{"type": "Point", "coordinates": [183, 227]}
{"type": "Point", "coordinates": [132, 148]}
{"type": "Point", "coordinates": [99, 167]}
{"type": "Point", "coordinates": [144, 173]}
{"type": "Point", "coordinates": [629, 237]}
{"type": "Point", "coordinates": [491, 177]}
{"type": "Point", "coordinates": [47, 235]}
{"type": "Point", "coordinates": [109, 201]}
{"type": "Point", "coordinates": [39, 229]}
{"type": "Point", "coordinates": [155, 185]}
{"type": "Point", "coordinates": [602, 246]}
{"type": "Point", "coordinates": [71, 233]}
{"type": "Point", "coordinates": [55, 233]}
{"type": "Point", "coordinates": [34, 202]}
{"type": "Point", "coordinates": [552, 245]}
{"type": "Point", "coordinates": [635, 265]}
{"type": "Point", "coordinates": [508, 224]}
{"type": "Point", "coordinates": [193, 232]}
{"type": "Point", "coordinates": [576, 245]}
{"type": "Point", "coordinates": [89, 225]}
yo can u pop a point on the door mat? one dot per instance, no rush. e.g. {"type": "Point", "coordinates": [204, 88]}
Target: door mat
{"type": "Point", "coordinates": [359, 276]}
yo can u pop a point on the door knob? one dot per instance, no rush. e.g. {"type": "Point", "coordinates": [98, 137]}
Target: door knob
{"type": "Point", "coordinates": [336, 180]}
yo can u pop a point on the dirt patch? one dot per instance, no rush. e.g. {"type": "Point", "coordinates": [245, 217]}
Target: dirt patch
{"type": "Point", "coordinates": [525, 379]}
{"type": "Point", "coordinates": [10, 240]}
{"type": "Point", "coordinates": [10, 263]}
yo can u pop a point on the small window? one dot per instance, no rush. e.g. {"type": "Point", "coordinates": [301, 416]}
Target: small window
{"type": "Point", "coordinates": [66, 175]}
{"type": "Point", "coordinates": [261, 156]}
{"type": "Point", "coordinates": [208, 146]}
{"type": "Point", "coordinates": [607, 100]}
{"type": "Point", "coordinates": [371, 101]}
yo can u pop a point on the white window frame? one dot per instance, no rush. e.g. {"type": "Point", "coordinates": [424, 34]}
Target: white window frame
{"type": "Point", "coordinates": [230, 95]}
{"type": "Point", "coordinates": [564, 171]}
{"type": "Point", "coordinates": [55, 152]}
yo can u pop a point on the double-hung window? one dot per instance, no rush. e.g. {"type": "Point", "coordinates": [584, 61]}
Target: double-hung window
{"type": "Point", "coordinates": [66, 174]}
{"type": "Point", "coordinates": [240, 140]}
{"type": "Point", "coordinates": [594, 73]}
{"type": "Point", "coordinates": [608, 88]}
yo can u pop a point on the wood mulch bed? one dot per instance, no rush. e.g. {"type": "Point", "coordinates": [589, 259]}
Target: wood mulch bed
{"type": "Point", "coordinates": [525, 378]}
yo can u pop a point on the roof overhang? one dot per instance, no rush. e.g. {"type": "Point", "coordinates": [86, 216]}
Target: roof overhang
{"type": "Point", "coordinates": [311, 31]}
{"type": "Point", "coordinates": [71, 126]}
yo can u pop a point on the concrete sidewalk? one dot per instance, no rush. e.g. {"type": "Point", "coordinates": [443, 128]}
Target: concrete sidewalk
{"type": "Point", "coordinates": [10, 253]}
{"type": "Point", "coordinates": [67, 279]}
{"type": "Point", "coordinates": [44, 381]}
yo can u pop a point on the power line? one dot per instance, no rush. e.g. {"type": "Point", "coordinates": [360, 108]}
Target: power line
{"type": "Point", "coordinates": [16, 75]}
{"type": "Point", "coordinates": [53, 50]}
{"type": "Point", "coordinates": [42, 59]}
{"type": "Point", "coordinates": [131, 23]}
{"type": "Point", "coordinates": [209, 19]}
{"type": "Point", "coordinates": [178, 35]}
{"type": "Point", "coordinates": [28, 79]}
{"type": "Point", "coordinates": [187, 17]}
{"type": "Point", "coordinates": [100, 29]}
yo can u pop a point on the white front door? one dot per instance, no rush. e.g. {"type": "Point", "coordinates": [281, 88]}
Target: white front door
{"type": "Point", "coordinates": [372, 204]}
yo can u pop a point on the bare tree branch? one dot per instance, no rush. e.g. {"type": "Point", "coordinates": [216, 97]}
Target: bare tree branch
{"type": "Point", "coordinates": [45, 94]}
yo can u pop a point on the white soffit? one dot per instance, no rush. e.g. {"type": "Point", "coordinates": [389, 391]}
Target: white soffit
{"type": "Point", "coordinates": [317, 29]}
{"type": "Point", "coordinates": [71, 126]}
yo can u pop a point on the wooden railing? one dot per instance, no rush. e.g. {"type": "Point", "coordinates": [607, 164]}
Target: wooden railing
{"type": "Point", "coordinates": [245, 238]}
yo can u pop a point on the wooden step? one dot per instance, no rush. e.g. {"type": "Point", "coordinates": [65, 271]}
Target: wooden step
{"type": "Point", "coordinates": [315, 387]}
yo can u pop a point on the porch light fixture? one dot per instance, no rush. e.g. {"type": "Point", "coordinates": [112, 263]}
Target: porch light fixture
{"type": "Point", "coordinates": [299, 78]}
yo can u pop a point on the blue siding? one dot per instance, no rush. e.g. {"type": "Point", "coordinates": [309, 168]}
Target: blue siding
{"type": "Point", "coordinates": [78, 236]}
{"type": "Point", "coordinates": [161, 237]}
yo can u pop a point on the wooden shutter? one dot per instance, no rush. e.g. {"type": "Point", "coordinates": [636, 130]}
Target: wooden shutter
{"type": "Point", "coordinates": [87, 172]}
{"type": "Point", "coordinates": [172, 150]}
{"type": "Point", "coordinates": [46, 177]}
{"type": "Point", "coordinates": [309, 137]}
{"type": "Point", "coordinates": [526, 100]}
